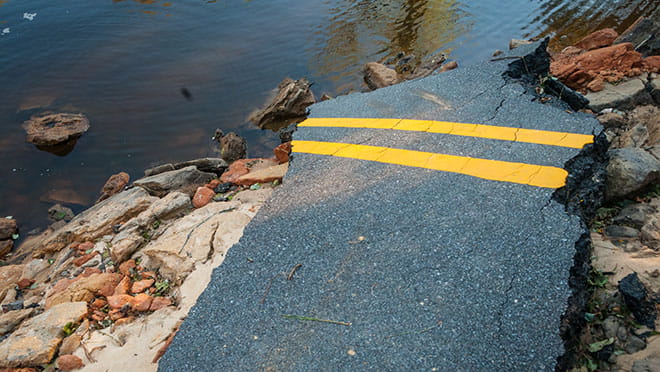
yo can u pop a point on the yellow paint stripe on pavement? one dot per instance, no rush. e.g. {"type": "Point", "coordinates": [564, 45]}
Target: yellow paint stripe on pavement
{"type": "Point", "coordinates": [542, 137]}
{"type": "Point", "coordinates": [527, 174]}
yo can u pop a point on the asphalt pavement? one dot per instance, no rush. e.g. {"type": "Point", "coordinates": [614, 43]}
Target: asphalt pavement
{"type": "Point", "coordinates": [402, 267]}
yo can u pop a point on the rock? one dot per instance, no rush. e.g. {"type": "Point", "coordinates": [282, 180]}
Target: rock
{"type": "Point", "coordinates": [98, 220]}
{"type": "Point", "coordinates": [65, 196]}
{"type": "Point", "coordinates": [232, 146]}
{"type": "Point", "coordinates": [159, 169]}
{"type": "Point", "coordinates": [84, 289]}
{"type": "Point", "coordinates": [24, 283]}
{"type": "Point", "coordinates": [290, 103]}
{"type": "Point", "coordinates": [635, 215]}
{"type": "Point", "coordinates": [123, 287]}
{"type": "Point", "coordinates": [119, 301]}
{"type": "Point", "coordinates": [634, 344]}
{"type": "Point", "coordinates": [646, 365]}
{"type": "Point", "coordinates": [644, 34]}
{"type": "Point", "coordinates": [9, 275]}
{"type": "Point", "coordinates": [497, 52]}
{"type": "Point", "coordinates": [634, 137]}
{"type": "Point", "coordinates": [624, 96]}
{"type": "Point", "coordinates": [223, 187]}
{"type": "Point", "coordinates": [449, 66]}
{"type": "Point", "coordinates": [611, 64]}
{"type": "Point", "coordinates": [655, 88]}
{"type": "Point", "coordinates": [612, 120]}
{"type": "Point", "coordinates": [611, 326]}
{"type": "Point", "coordinates": [60, 213]}
{"type": "Point", "coordinates": [213, 184]}
{"type": "Point", "coordinates": [8, 228]}
{"type": "Point", "coordinates": [38, 338]}
{"type": "Point", "coordinates": [202, 197]}
{"type": "Point", "coordinates": [264, 175]}
{"type": "Point", "coordinates": [236, 169]}
{"type": "Point", "coordinates": [515, 43]}
{"type": "Point", "coordinates": [70, 344]}
{"type": "Point", "coordinates": [159, 303]}
{"type": "Point", "coordinates": [635, 296]}
{"type": "Point", "coordinates": [598, 39]}
{"type": "Point", "coordinates": [650, 233]}
{"type": "Point", "coordinates": [84, 258]}
{"type": "Point", "coordinates": [141, 302]}
{"type": "Point", "coordinates": [113, 185]}
{"type": "Point", "coordinates": [630, 170]}
{"type": "Point", "coordinates": [286, 134]}
{"type": "Point", "coordinates": [377, 76]}
{"type": "Point", "coordinates": [126, 267]}
{"type": "Point", "coordinates": [11, 319]}
{"type": "Point", "coordinates": [282, 152]}
{"type": "Point", "coordinates": [163, 183]}
{"type": "Point", "coordinates": [141, 285]}
{"type": "Point", "coordinates": [69, 362]}
{"type": "Point", "coordinates": [56, 133]}
{"type": "Point", "coordinates": [211, 165]}
{"type": "Point", "coordinates": [426, 68]}
{"type": "Point", "coordinates": [649, 117]}
{"type": "Point", "coordinates": [5, 247]}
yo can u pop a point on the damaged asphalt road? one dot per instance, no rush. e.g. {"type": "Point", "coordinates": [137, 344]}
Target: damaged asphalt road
{"type": "Point", "coordinates": [431, 269]}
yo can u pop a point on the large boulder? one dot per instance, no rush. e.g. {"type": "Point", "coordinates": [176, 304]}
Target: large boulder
{"type": "Point", "coordinates": [377, 76]}
{"type": "Point", "coordinates": [599, 39]}
{"type": "Point", "coordinates": [624, 95]}
{"type": "Point", "coordinates": [56, 133]}
{"type": "Point", "coordinates": [290, 103]}
{"type": "Point", "coordinates": [36, 341]}
{"type": "Point", "coordinates": [163, 183]}
{"type": "Point", "coordinates": [629, 171]}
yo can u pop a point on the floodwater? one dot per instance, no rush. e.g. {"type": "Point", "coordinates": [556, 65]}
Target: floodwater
{"type": "Point", "coordinates": [123, 64]}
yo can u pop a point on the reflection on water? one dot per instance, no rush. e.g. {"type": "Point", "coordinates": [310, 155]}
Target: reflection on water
{"type": "Point", "coordinates": [123, 64]}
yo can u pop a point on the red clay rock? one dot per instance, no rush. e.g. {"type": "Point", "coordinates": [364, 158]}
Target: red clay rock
{"type": "Point", "coordinates": [599, 39]}
{"type": "Point", "coordinates": [142, 302]}
{"type": "Point", "coordinates": [116, 314]}
{"type": "Point", "coordinates": [24, 283]}
{"type": "Point", "coordinates": [69, 362]}
{"type": "Point", "coordinates": [159, 303]}
{"type": "Point", "coordinates": [84, 247]}
{"type": "Point", "coordinates": [98, 303]}
{"type": "Point", "coordinates": [270, 174]}
{"type": "Point", "coordinates": [235, 170]}
{"type": "Point", "coordinates": [213, 184]}
{"type": "Point", "coordinates": [123, 286]}
{"type": "Point", "coordinates": [652, 64]}
{"type": "Point", "coordinates": [83, 289]}
{"type": "Point", "coordinates": [98, 315]}
{"type": "Point", "coordinates": [89, 271]}
{"type": "Point", "coordinates": [202, 197]}
{"type": "Point", "coordinates": [148, 274]}
{"type": "Point", "coordinates": [125, 267]}
{"type": "Point", "coordinates": [84, 259]}
{"type": "Point", "coordinates": [119, 301]}
{"type": "Point", "coordinates": [610, 63]}
{"type": "Point", "coordinates": [449, 66]}
{"type": "Point", "coordinates": [113, 185]}
{"type": "Point", "coordinates": [141, 285]}
{"type": "Point", "coordinates": [282, 152]}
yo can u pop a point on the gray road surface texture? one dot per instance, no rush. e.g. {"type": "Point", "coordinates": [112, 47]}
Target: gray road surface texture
{"type": "Point", "coordinates": [455, 273]}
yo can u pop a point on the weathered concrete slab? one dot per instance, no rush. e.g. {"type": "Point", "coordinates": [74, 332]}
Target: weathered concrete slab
{"type": "Point", "coordinates": [432, 269]}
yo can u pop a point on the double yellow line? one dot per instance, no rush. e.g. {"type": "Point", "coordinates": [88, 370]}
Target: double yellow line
{"type": "Point", "coordinates": [522, 173]}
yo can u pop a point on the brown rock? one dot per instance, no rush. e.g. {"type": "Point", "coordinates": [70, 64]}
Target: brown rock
{"type": "Point", "coordinates": [125, 267]}
{"type": "Point", "coordinates": [89, 271]}
{"type": "Point", "coordinates": [116, 314]}
{"type": "Point", "coordinates": [232, 146]}
{"type": "Point", "coordinates": [270, 174]}
{"type": "Point", "coordinates": [5, 247]}
{"type": "Point", "coordinates": [84, 289]}
{"type": "Point", "coordinates": [9, 275]}
{"type": "Point", "coordinates": [18, 370]}
{"type": "Point", "coordinates": [123, 287]}
{"type": "Point", "coordinates": [282, 152]}
{"type": "Point", "coordinates": [515, 43]}
{"type": "Point", "coordinates": [24, 283]}
{"type": "Point", "coordinates": [141, 302]}
{"type": "Point", "coordinates": [98, 303]}
{"type": "Point", "coordinates": [141, 285]}
{"type": "Point", "coordinates": [84, 259]}
{"type": "Point", "coordinates": [69, 362]}
{"type": "Point", "coordinates": [119, 301]}
{"type": "Point", "coordinates": [377, 75]}
{"type": "Point", "coordinates": [596, 85]}
{"type": "Point", "coordinates": [113, 185]}
{"type": "Point", "coordinates": [236, 169]}
{"type": "Point", "coordinates": [98, 315]}
{"type": "Point", "coordinates": [598, 39]}
{"type": "Point", "coordinates": [291, 102]}
{"type": "Point", "coordinates": [159, 303]}
{"type": "Point", "coordinates": [55, 129]}
{"type": "Point", "coordinates": [148, 274]}
{"type": "Point", "coordinates": [652, 64]}
{"type": "Point", "coordinates": [213, 184]}
{"type": "Point", "coordinates": [85, 246]}
{"type": "Point", "coordinates": [202, 197]}
{"type": "Point", "coordinates": [11, 319]}
{"type": "Point", "coordinates": [123, 321]}
{"type": "Point", "coordinates": [611, 63]}
{"type": "Point", "coordinates": [8, 228]}
{"type": "Point", "coordinates": [449, 66]}
{"type": "Point", "coordinates": [38, 338]}
{"type": "Point", "coordinates": [70, 344]}
{"type": "Point", "coordinates": [644, 34]}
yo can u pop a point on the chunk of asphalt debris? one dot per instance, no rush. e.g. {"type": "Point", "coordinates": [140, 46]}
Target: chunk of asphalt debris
{"type": "Point", "coordinates": [636, 298]}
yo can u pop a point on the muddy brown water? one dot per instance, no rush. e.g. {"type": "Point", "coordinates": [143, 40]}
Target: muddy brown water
{"type": "Point", "coordinates": [124, 63]}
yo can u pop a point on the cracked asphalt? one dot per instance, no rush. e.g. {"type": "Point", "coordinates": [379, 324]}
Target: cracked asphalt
{"type": "Point", "coordinates": [434, 270]}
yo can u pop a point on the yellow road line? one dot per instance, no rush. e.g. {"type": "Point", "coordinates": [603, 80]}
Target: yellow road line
{"type": "Point", "coordinates": [543, 137]}
{"type": "Point", "coordinates": [527, 174]}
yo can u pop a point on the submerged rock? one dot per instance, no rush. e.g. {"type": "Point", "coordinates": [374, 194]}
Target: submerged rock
{"type": "Point", "coordinates": [60, 213]}
{"type": "Point", "coordinates": [290, 103]}
{"type": "Point", "coordinates": [515, 43]}
{"type": "Point", "coordinates": [56, 133]}
{"type": "Point", "coordinates": [232, 146]}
